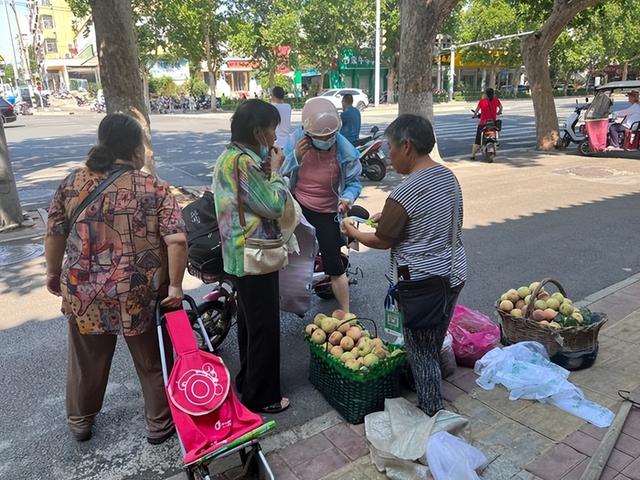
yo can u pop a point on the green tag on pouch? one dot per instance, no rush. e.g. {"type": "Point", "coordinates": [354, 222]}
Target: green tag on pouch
{"type": "Point", "coordinates": [393, 321]}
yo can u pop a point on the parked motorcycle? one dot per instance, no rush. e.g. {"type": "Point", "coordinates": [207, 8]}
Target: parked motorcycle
{"type": "Point", "coordinates": [372, 156]}
{"type": "Point", "coordinates": [573, 128]}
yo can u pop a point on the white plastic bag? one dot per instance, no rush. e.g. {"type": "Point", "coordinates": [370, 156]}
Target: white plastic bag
{"type": "Point", "coordinates": [525, 370]}
{"type": "Point", "coordinates": [450, 458]}
{"type": "Point", "coordinates": [447, 357]}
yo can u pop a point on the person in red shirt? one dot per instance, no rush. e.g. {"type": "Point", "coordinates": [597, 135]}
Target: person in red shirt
{"type": "Point", "coordinates": [488, 108]}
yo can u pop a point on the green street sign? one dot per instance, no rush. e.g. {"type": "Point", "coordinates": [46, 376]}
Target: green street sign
{"type": "Point", "coordinates": [352, 59]}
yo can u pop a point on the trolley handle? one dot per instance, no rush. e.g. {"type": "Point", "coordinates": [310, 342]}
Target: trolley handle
{"type": "Point", "coordinates": [187, 298]}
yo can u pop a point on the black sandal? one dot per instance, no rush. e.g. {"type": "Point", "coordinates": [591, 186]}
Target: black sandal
{"type": "Point", "coordinates": [277, 407]}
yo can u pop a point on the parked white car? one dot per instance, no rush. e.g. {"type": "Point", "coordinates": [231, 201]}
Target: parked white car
{"type": "Point", "coordinates": [360, 99]}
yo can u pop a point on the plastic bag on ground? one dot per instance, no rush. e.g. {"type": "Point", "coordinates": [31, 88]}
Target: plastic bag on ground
{"type": "Point", "coordinates": [451, 458]}
{"type": "Point", "coordinates": [397, 437]}
{"type": "Point", "coordinates": [525, 370]}
{"type": "Point", "coordinates": [474, 334]}
{"type": "Point", "coordinates": [447, 357]}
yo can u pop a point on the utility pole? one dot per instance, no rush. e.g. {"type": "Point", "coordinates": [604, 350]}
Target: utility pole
{"type": "Point", "coordinates": [24, 55]}
{"type": "Point", "coordinates": [10, 209]}
{"type": "Point", "coordinates": [453, 48]}
{"type": "Point", "coordinates": [376, 81]}
{"type": "Point", "coordinates": [13, 46]}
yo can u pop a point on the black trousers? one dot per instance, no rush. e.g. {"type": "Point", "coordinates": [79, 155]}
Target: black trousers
{"type": "Point", "coordinates": [424, 345]}
{"type": "Point", "coordinates": [258, 381]}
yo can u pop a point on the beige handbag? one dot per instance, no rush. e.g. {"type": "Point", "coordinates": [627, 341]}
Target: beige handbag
{"type": "Point", "coordinates": [262, 256]}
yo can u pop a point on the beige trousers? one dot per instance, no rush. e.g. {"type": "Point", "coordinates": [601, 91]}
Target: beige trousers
{"type": "Point", "coordinates": [88, 368]}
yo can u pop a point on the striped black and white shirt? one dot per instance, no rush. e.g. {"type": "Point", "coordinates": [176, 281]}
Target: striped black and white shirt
{"type": "Point", "coordinates": [418, 218]}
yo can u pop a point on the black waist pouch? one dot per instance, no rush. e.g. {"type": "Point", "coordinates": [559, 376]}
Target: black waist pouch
{"type": "Point", "coordinates": [424, 304]}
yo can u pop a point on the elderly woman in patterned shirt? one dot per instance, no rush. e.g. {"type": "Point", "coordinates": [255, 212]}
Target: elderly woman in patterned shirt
{"type": "Point", "coordinates": [118, 251]}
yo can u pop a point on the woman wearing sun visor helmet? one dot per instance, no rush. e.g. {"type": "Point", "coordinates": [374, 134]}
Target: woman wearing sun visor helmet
{"type": "Point", "coordinates": [325, 179]}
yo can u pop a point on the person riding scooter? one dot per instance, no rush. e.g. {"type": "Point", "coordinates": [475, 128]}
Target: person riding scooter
{"type": "Point", "coordinates": [629, 116]}
{"type": "Point", "coordinates": [325, 179]}
{"type": "Point", "coordinates": [488, 108]}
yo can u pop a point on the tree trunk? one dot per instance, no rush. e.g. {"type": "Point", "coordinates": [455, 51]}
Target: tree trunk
{"type": "Point", "coordinates": [321, 87]}
{"type": "Point", "coordinates": [391, 83]}
{"type": "Point", "coordinates": [120, 66]}
{"type": "Point", "coordinates": [210, 67]}
{"type": "Point", "coordinates": [420, 21]}
{"type": "Point", "coordinates": [10, 210]}
{"type": "Point", "coordinates": [535, 53]}
{"type": "Point", "coordinates": [625, 71]}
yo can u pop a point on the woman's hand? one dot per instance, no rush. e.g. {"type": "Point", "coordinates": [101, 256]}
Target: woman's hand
{"type": "Point", "coordinates": [276, 158]}
{"type": "Point", "coordinates": [375, 218]}
{"type": "Point", "coordinates": [344, 206]}
{"type": "Point", "coordinates": [53, 284]}
{"type": "Point", "coordinates": [174, 297]}
{"type": "Point", "coordinates": [302, 147]}
{"type": "Point", "coordinates": [348, 228]}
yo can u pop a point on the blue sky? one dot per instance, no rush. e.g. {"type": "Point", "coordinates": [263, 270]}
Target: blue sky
{"type": "Point", "coordinates": [5, 39]}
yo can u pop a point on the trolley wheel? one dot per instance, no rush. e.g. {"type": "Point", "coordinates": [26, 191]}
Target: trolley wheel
{"type": "Point", "coordinates": [361, 106]}
{"type": "Point", "coordinates": [375, 169]}
{"type": "Point", "coordinates": [489, 154]}
{"type": "Point", "coordinates": [217, 322]}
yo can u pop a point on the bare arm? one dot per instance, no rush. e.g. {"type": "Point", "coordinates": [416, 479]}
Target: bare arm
{"type": "Point", "coordinates": [370, 239]}
{"type": "Point", "coordinates": [54, 247]}
{"type": "Point", "coordinates": [177, 259]}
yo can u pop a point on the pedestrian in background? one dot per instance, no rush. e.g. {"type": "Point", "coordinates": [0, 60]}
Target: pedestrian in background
{"type": "Point", "coordinates": [421, 223]}
{"type": "Point", "coordinates": [119, 250]}
{"type": "Point", "coordinates": [351, 119]}
{"type": "Point", "coordinates": [283, 131]}
{"type": "Point", "coordinates": [247, 172]}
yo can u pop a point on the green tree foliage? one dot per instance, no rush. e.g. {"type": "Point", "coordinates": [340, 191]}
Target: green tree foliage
{"type": "Point", "coordinates": [328, 28]}
{"type": "Point", "coordinates": [163, 86]}
{"type": "Point", "coordinates": [261, 27]}
{"type": "Point", "coordinates": [482, 20]}
{"type": "Point", "coordinates": [195, 87]}
{"type": "Point", "coordinates": [9, 73]}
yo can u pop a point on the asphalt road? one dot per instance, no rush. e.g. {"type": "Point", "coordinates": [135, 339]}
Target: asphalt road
{"type": "Point", "coordinates": [526, 216]}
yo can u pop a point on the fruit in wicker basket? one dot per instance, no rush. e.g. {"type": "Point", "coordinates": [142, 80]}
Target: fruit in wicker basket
{"type": "Point", "coordinates": [344, 328]}
{"type": "Point", "coordinates": [533, 286]}
{"type": "Point", "coordinates": [380, 352]}
{"type": "Point", "coordinates": [347, 356]}
{"type": "Point", "coordinates": [550, 314]}
{"type": "Point", "coordinates": [516, 312]}
{"type": "Point", "coordinates": [355, 333]}
{"type": "Point", "coordinates": [553, 303]}
{"type": "Point", "coordinates": [364, 346]}
{"type": "Point", "coordinates": [554, 325]}
{"type": "Point", "coordinates": [519, 304]}
{"type": "Point", "coordinates": [558, 296]}
{"type": "Point", "coordinates": [370, 360]}
{"type": "Point", "coordinates": [318, 336]}
{"type": "Point", "coordinates": [538, 315]}
{"type": "Point", "coordinates": [352, 364]}
{"type": "Point", "coordinates": [335, 338]}
{"type": "Point", "coordinates": [506, 305]}
{"type": "Point", "coordinates": [347, 343]}
{"type": "Point", "coordinates": [544, 296]}
{"type": "Point", "coordinates": [566, 309]}
{"type": "Point", "coordinates": [329, 325]}
{"type": "Point", "coordinates": [339, 314]}
{"type": "Point", "coordinates": [540, 305]}
{"type": "Point", "coordinates": [318, 318]}
{"type": "Point", "coordinates": [513, 296]}
{"type": "Point", "coordinates": [523, 292]}
{"type": "Point", "coordinates": [309, 329]}
{"type": "Point", "coordinates": [336, 351]}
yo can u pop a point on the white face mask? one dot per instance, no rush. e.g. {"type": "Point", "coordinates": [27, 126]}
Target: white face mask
{"type": "Point", "coordinates": [324, 144]}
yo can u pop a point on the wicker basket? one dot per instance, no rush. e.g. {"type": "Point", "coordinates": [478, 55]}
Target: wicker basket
{"type": "Point", "coordinates": [355, 394]}
{"type": "Point", "coordinates": [556, 341]}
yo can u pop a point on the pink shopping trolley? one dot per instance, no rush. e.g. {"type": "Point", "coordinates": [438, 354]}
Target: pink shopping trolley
{"type": "Point", "coordinates": [210, 421]}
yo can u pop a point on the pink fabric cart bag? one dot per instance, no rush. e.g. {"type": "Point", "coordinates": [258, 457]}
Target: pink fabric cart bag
{"type": "Point", "coordinates": [597, 131]}
{"type": "Point", "coordinates": [205, 410]}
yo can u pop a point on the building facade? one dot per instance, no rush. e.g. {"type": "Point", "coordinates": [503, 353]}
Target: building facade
{"type": "Point", "coordinates": [64, 45]}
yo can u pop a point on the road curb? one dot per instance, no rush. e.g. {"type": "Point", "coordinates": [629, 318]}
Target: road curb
{"type": "Point", "coordinates": [605, 292]}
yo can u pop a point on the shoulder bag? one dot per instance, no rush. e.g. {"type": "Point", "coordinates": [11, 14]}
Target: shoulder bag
{"type": "Point", "coordinates": [261, 256]}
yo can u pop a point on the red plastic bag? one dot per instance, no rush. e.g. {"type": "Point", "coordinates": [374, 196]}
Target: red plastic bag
{"type": "Point", "coordinates": [474, 334]}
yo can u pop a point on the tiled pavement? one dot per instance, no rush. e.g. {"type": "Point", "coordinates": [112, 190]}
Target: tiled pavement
{"type": "Point", "coordinates": [524, 440]}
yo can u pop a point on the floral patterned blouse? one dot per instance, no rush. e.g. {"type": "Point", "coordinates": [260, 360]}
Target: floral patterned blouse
{"type": "Point", "coordinates": [115, 259]}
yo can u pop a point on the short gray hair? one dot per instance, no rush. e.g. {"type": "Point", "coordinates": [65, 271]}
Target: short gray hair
{"type": "Point", "coordinates": [412, 128]}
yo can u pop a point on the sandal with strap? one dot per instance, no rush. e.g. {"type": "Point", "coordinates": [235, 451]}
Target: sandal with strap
{"type": "Point", "coordinates": [277, 407]}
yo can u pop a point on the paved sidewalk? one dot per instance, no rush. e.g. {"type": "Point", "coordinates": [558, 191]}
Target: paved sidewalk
{"type": "Point", "coordinates": [523, 440]}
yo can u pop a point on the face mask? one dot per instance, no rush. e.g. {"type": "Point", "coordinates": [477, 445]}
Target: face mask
{"type": "Point", "coordinates": [323, 144]}
{"type": "Point", "coordinates": [264, 149]}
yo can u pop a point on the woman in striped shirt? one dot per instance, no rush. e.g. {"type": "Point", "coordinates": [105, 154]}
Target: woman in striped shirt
{"type": "Point", "coordinates": [422, 225]}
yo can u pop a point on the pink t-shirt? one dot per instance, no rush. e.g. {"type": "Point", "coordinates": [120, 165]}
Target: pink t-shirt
{"type": "Point", "coordinates": [317, 185]}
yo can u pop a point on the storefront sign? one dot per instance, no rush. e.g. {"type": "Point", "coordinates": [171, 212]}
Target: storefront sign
{"type": "Point", "coordinates": [362, 59]}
